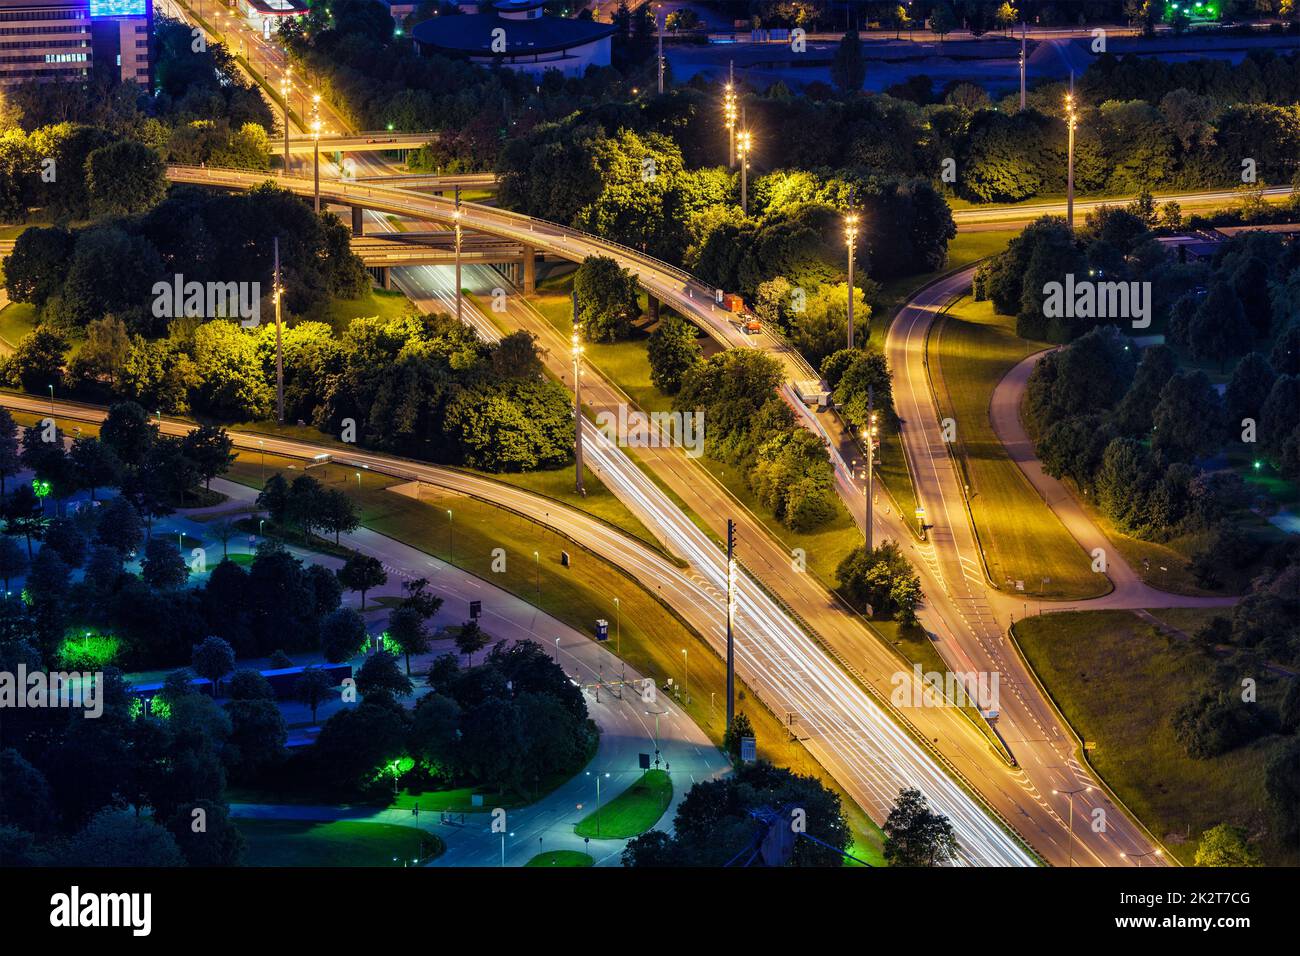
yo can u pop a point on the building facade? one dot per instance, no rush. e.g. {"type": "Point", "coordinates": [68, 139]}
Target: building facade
{"type": "Point", "coordinates": [62, 39]}
{"type": "Point", "coordinates": [518, 35]}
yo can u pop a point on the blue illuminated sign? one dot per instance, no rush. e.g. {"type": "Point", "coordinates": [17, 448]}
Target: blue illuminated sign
{"type": "Point", "coordinates": [118, 8]}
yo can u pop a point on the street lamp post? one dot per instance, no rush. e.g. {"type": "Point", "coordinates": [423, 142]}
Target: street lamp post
{"type": "Point", "coordinates": [618, 627]}
{"type": "Point", "coordinates": [286, 87]}
{"type": "Point", "coordinates": [279, 355]}
{"type": "Point", "coordinates": [851, 238]}
{"type": "Point", "coordinates": [537, 560]}
{"type": "Point", "coordinates": [315, 138]}
{"type": "Point", "coordinates": [869, 437]}
{"type": "Point", "coordinates": [598, 776]}
{"type": "Point", "coordinates": [1071, 122]}
{"type": "Point", "coordinates": [1069, 796]}
{"type": "Point", "coordinates": [451, 538]}
{"type": "Point", "coordinates": [456, 219]}
{"type": "Point", "coordinates": [743, 143]}
{"type": "Point", "coordinates": [1022, 66]}
{"type": "Point", "coordinates": [729, 116]}
{"type": "Point", "coordinates": [686, 665]}
{"type": "Point", "coordinates": [51, 401]}
{"type": "Point", "coordinates": [577, 400]}
{"type": "Point", "coordinates": [659, 20]}
{"type": "Point", "coordinates": [1138, 857]}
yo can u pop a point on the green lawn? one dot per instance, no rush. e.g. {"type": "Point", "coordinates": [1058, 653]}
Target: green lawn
{"type": "Point", "coordinates": [561, 858]}
{"type": "Point", "coordinates": [966, 248]}
{"type": "Point", "coordinates": [303, 843]}
{"type": "Point", "coordinates": [632, 812]}
{"type": "Point", "coordinates": [16, 320]}
{"type": "Point", "coordinates": [1023, 540]}
{"type": "Point", "coordinates": [1118, 682]}
{"type": "Point", "coordinates": [652, 636]}
{"type": "Point", "coordinates": [339, 313]}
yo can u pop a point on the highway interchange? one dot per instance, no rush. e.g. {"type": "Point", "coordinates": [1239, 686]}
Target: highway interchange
{"type": "Point", "coordinates": [798, 648]}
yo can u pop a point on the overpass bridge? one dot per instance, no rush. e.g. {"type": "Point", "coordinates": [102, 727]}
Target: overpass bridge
{"type": "Point", "coordinates": [382, 253]}
{"type": "Point", "coordinates": [372, 142]}
{"type": "Point", "coordinates": [662, 282]}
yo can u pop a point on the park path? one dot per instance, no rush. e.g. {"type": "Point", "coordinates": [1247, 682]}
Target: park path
{"type": "Point", "coordinates": [628, 725]}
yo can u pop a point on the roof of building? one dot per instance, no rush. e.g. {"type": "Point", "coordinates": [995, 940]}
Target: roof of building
{"type": "Point", "coordinates": [471, 34]}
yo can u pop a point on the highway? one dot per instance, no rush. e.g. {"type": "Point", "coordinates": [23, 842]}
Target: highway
{"type": "Point", "coordinates": [993, 218]}
{"type": "Point", "coordinates": [967, 631]}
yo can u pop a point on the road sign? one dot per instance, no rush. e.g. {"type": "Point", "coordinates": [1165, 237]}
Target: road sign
{"type": "Point", "coordinates": [920, 514]}
{"type": "Point", "coordinates": [564, 558]}
{"type": "Point", "coordinates": [475, 610]}
{"type": "Point", "coordinates": [748, 752]}
{"type": "Point", "coordinates": [602, 630]}
{"type": "Point", "coordinates": [643, 761]}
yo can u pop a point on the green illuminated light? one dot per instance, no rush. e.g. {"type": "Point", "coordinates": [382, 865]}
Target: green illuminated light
{"type": "Point", "coordinates": [42, 488]}
{"type": "Point", "coordinates": [88, 651]}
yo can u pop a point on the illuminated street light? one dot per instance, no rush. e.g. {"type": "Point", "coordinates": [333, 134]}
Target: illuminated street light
{"type": "Point", "coordinates": [598, 776]}
{"type": "Point", "coordinates": [278, 293]}
{"type": "Point", "coordinates": [315, 136]}
{"type": "Point", "coordinates": [869, 435]}
{"type": "Point", "coordinates": [576, 348]}
{"type": "Point", "coordinates": [1069, 795]}
{"type": "Point", "coordinates": [744, 143]}
{"type": "Point", "coordinates": [1071, 123]}
{"type": "Point", "coordinates": [456, 217]}
{"type": "Point", "coordinates": [851, 238]}
{"type": "Point", "coordinates": [286, 87]}
{"type": "Point", "coordinates": [1138, 857]}
{"type": "Point", "coordinates": [729, 118]}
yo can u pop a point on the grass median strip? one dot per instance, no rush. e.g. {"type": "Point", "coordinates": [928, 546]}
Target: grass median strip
{"type": "Point", "coordinates": [632, 812]}
{"type": "Point", "coordinates": [335, 843]}
{"type": "Point", "coordinates": [1022, 539]}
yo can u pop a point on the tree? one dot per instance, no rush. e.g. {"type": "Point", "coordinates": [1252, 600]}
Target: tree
{"type": "Point", "coordinates": [420, 599]}
{"type": "Point", "coordinates": [606, 300]}
{"type": "Point", "coordinates": [1248, 389]}
{"type": "Point", "coordinates": [10, 464]}
{"type": "Point", "coordinates": [274, 497]}
{"type": "Point", "coordinates": [122, 838]}
{"type": "Point", "coordinates": [1289, 710]}
{"type": "Point", "coordinates": [231, 381]}
{"type": "Point", "coordinates": [881, 580]}
{"type": "Point", "coordinates": [470, 639]}
{"type": "Point", "coordinates": [248, 684]}
{"type": "Point", "coordinates": [380, 676]}
{"type": "Point", "coordinates": [119, 526]}
{"type": "Point", "coordinates": [37, 362]}
{"type": "Point", "coordinates": [336, 512]}
{"type": "Point", "coordinates": [213, 659]}
{"type": "Point", "coordinates": [361, 572]}
{"type": "Point", "coordinates": [406, 629]}
{"type": "Point", "coordinates": [24, 514]}
{"type": "Point", "coordinates": [94, 464]}
{"type": "Point", "coordinates": [915, 835]}
{"type": "Point", "coordinates": [209, 447]}
{"type": "Point", "coordinates": [1282, 788]}
{"type": "Point", "coordinates": [257, 737]}
{"type": "Point", "coordinates": [343, 635]}
{"type": "Point", "coordinates": [1225, 845]}
{"type": "Point", "coordinates": [218, 842]}
{"type": "Point", "coordinates": [163, 568]}
{"type": "Point", "coordinates": [672, 350]}
{"type": "Point", "coordinates": [1188, 419]}
{"type": "Point", "coordinates": [849, 68]}
{"type": "Point", "coordinates": [13, 563]}
{"type": "Point", "coordinates": [63, 535]}
{"type": "Point", "coordinates": [128, 431]}
{"type": "Point", "coordinates": [942, 20]}
{"type": "Point", "coordinates": [740, 729]}
{"type": "Point", "coordinates": [313, 688]}
{"type": "Point", "coordinates": [124, 178]}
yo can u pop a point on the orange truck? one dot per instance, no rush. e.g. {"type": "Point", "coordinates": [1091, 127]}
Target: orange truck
{"type": "Point", "coordinates": [749, 322]}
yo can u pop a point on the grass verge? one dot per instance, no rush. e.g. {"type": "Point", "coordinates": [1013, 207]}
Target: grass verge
{"type": "Point", "coordinates": [302, 843]}
{"type": "Point", "coordinates": [632, 812]}
{"type": "Point", "coordinates": [1118, 682]}
{"type": "Point", "coordinates": [1022, 539]}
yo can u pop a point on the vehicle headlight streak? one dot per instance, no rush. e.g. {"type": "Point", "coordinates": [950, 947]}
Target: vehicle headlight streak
{"type": "Point", "coordinates": [848, 731]}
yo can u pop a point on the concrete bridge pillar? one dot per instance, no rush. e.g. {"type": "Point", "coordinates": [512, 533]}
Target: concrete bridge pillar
{"type": "Point", "coordinates": [530, 270]}
{"type": "Point", "coordinates": [652, 306]}
{"type": "Point", "coordinates": [358, 221]}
